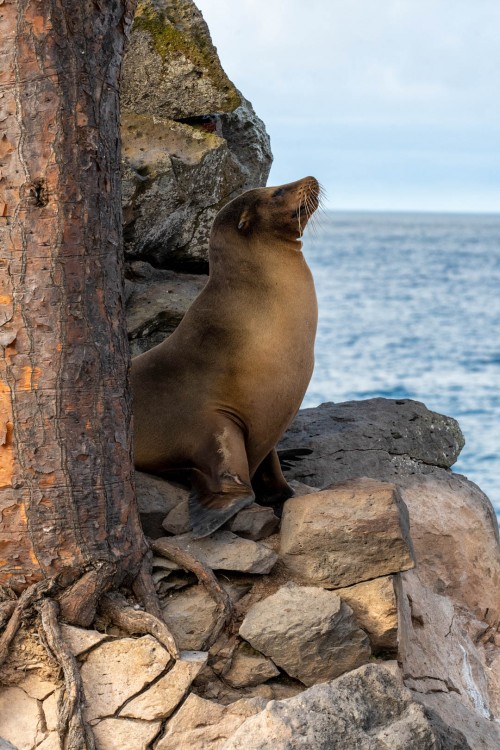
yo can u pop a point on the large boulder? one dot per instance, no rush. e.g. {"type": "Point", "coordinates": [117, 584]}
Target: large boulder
{"type": "Point", "coordinates": [190, 141]}
{"type": "Point", "coordinates": [308, 632]}
{"type": "Point", "coordinates": [379, 438]}
{"type": "Point", "coordinates": [367, 709]}
{"type": "Point", "coordinates": [352, 532]}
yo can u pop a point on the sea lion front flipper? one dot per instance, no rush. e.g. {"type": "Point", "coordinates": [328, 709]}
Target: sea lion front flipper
{"type": "Point", "coordinates": [221, 482]}
{"type": "Point", "coordinates": [269, 484]}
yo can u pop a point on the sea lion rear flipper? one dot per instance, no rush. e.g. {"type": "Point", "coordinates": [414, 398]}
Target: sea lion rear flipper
{"type": "Point", "coordinates": [269, 484]}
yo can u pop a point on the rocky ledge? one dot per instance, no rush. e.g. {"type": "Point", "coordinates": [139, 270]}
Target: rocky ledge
{"type": "Point", "coordinates": [366, 618]}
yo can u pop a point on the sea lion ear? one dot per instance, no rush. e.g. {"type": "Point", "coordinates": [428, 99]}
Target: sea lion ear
{"type": "Point", "coordinates": [245, 220]}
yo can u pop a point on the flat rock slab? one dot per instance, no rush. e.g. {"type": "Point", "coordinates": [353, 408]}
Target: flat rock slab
{"type": "Point", "coordinates": [125, 734]}
{"type": "Point", "coordinates": [376, 437]}
{"type": "Point", "coordinates": [249, 668]}
{"type": "Point", "coordinates": [367, 709]}
{"type": "Point", "coordinates": [350, 533]}
{"type": "Point", "coordinates": [376, 611]}
{"type": "Point", "coordinates": [307, 631]}
{"type": "Point", "coordinates": [161, 699]}
{"type": "Point", "coordinates": [80, 640]}
{"type": "Point", "coordinates": [118, 670]}
{"type": "Point", "coordinates": [223, 550]}
{"type": "Point", "coordinates": [21, 719]}
{"type": "Point", "coordinates": [204, 725]}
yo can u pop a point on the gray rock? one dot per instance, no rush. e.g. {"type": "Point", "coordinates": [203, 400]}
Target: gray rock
{"type": "Point", "coordinates": [249, 668]}
{"type": "Point", "coordinates": [155, 498]}
{"type": "Point", "coordinates": [5, 745]}
{"type": "Point", "coordinates": [191, 614]}
{"type": "Point", "coordinates": [367, 709]}
{"type": "Point", "coordinates": [156, 303]}
{"type": "Point", "coordinates": [255, 522]}
{"type": "Point", "coordinates": [177, 521]}
{"type": "Point", "coordinates": [170, 67]}
{"type": "Point", "coordinates": [224, 550]}
{"type": "Point", "coordinates": [308, 632]}
{"type": "Point", "coordinates": [379, 438]}
{"type": "Point", "coordinates": [352, 532]}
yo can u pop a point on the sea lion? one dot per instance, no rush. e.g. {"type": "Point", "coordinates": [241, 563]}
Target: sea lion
{"type": "Point", "coordinates": [217, 395]}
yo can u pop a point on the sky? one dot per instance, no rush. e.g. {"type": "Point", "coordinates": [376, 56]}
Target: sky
{"type": "Point", "coordinates": [391, 104]}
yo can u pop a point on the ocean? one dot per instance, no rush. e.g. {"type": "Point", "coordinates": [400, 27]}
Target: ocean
{"type": "Point", "coordinates": [409, 307]}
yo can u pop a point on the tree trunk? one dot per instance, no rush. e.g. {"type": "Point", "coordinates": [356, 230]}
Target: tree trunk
{"type": "Point", "coordinates": [66, 477]}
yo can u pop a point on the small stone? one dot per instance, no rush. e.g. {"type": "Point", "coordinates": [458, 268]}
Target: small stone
{"type": "Point", "coordinates": [223, 550]}
{"type": "Point", "coordinates": [352, 532]}
{"type": "Point", "coordinates": [36, 686]}
{"type": "Point", "coordinates": [249, 668]}
{"type": "Point", "coordinates": [155, 498]}
{"type": "Point", "coordinates": [204, 725]}
{"type": "Point", "coordinates": [21, 718]}
{"type": "Point", "coordinates": [177, 521]}
{"type": "Point", "coordinates": [375, 609]}
{"type": "Point", "coordinates": [50, 711]}
{"type": "Point", "coordinates": [161, 699]}
{"type": "Point", "coordinates": [119, 669]}
{"type": "Point", "coordinates": [125, 734]}
{"type": "Point", "coordinates": [190, 615]}
{"type": "Point", "coordinates": [255, 522]}
{"type": "Point", "coordinates": [80, 640]}
{"type": "Point", "coordinates": [308, 632]}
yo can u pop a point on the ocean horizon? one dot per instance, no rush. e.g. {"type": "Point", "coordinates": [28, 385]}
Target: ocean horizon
{"type": "Point", "coordinates": [409, 307]}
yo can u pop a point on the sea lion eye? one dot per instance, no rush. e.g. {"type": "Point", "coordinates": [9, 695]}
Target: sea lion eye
{"type": "Point", "coordinates": [277, 193]}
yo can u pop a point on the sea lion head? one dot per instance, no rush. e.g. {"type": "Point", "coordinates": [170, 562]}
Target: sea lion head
{"type": "Point", "coordinates": [280, 212]}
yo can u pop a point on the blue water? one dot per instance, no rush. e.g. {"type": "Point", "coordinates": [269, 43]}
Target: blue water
{"type": "Point", "coordinates": [409, 307]}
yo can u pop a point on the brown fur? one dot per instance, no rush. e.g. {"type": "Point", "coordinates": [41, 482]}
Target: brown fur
{"type": "Point", "coordinates": [217, 395]}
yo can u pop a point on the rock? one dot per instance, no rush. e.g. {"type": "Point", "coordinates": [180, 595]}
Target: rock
{"type": "Point", "coordinates": [190, 615]}
{"type": "Point", "coordinates": [378, 437]}
{"type": "Point", "coordinates": [203, 725]}
{"type": "Point", "coordinates": [177, 521]}
{"type": "Point", "coordinates": [21, 719]}
{"type": "Point", "coordinates": [125, 734]}
{"type": "Point", "coordinates": [376, 612]}
{"type": "Point", "coordinates": [155, 498]}
{"type": "Point", "coordinates": [4, 745]}
{"type": "Point", "coordinates": [352, 532]}
{"type": "Point", "coordinates": [50, 711]}
{"type": "Point", "coordinates": [255, 522]}
{"type": "Point", "coordinates": [308, 632]}
{"type": "Point", "coordinates": [249, 667]}
{"type": "Point", "coordinates": [190, 141]}
{"type": "Point", "coordinates": [118, 670]}
{"type": "Point", "coordinates": [156, 303]}
{"type": "Point", "coordinates": [80, 640]}
{"type": "Point", "coordinates": [170, 67]}
{"type": "Point", "coordinates": [448, 709]}
{"type": "Point", "coordinates": [226, 551]}
{"type": "Point", "coordinates": [367, 709]}
{"type": "Point", "coordinates": [440, 657]}
{"type": "Point", "coordinates": [161, 699]}
{"type": "Point", "coordinates": [36, 686]}
{"type": "Point", "coordinates": [455, 538]}
{"type": "Point", "coordinates": [51, 742]}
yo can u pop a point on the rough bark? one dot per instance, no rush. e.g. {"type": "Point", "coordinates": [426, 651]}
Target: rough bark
{"type": "Point", "coordinates": [66, 488]}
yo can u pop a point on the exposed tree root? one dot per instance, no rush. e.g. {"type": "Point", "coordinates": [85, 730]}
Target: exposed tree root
{"type": "Point", "coordinates": [78, 603]}
{"type": "Point", "coordinates": [135, 621]}
{"type": "Point", "coordinates": [144, 588]}
{"type": "Point", "coordinates": [205, 576]}
{"type": "Point", "coordinates": [21, 608]}
{"type": "Point", "coordinates": [6, 610]}
{"type": "Point", "coordinates": [74, 732]}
